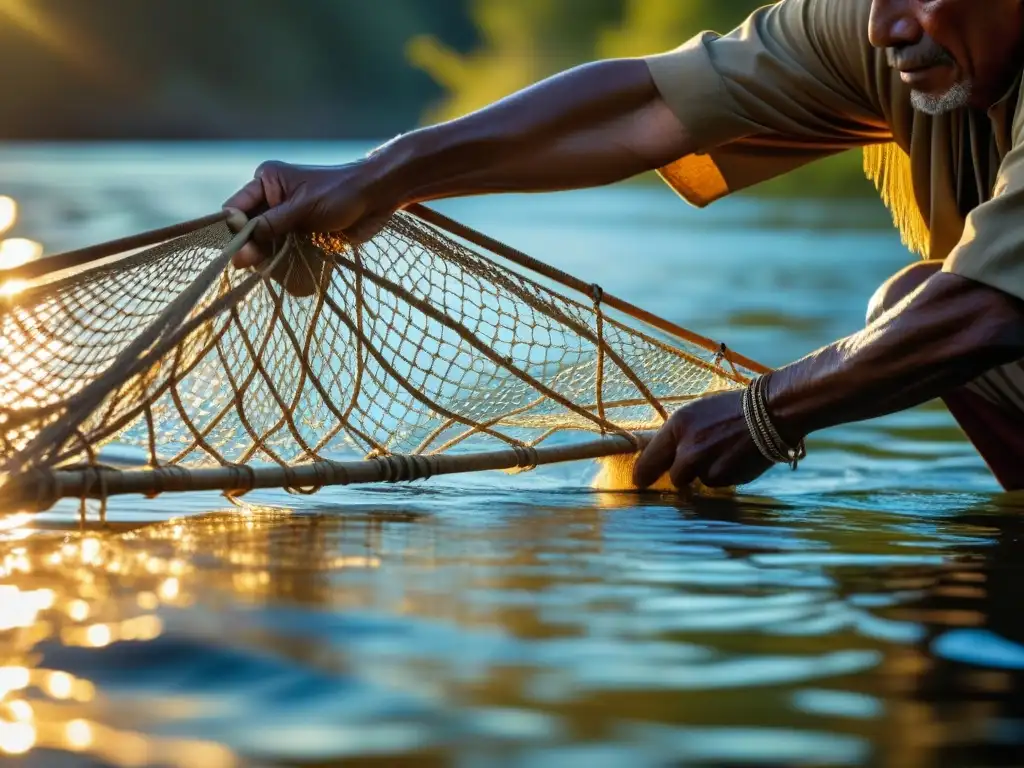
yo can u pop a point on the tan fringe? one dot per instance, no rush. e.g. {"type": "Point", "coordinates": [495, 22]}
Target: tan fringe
{"type": "Point", "coordinates": [888, 166]}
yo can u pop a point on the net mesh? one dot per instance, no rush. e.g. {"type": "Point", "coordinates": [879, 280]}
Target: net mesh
{"type": "Point", "coordinates": [411, 343]}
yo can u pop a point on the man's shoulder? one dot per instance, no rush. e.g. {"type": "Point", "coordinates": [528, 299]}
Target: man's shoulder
{"type": "Point", "coordinates": [842, 24]}
{"type": "Point", "coordinates": [848, 18]}
{"type": "Point", "coordinates": [837, 33]}
{"type": "Point", "coordinates": [841, 10]}
{"type": "Point", "coordinates": [1017, 125]}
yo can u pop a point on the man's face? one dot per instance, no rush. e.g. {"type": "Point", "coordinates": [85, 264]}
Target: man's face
{"type": "Point", "coordinates": [952, 53]}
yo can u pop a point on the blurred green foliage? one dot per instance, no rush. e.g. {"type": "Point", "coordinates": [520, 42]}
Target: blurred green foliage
{"type": "Point", "coordinates": [528, 40]}
{"type": "Point", "coordinates": [321, 69]}
{"type": "Point", "coordinates": [218, 69]}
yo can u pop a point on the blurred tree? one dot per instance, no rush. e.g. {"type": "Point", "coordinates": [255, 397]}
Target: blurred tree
{"type": "Point", "coordinates": [649, 27]}
{"type": "Point", "coordinates": [524, 42]}
{"type": "Point", "coordinates": [531, 39]}
{"type": "Point", "coordinates": [263, 69]}
{"type": "Point", "coordinates": [221, 69]}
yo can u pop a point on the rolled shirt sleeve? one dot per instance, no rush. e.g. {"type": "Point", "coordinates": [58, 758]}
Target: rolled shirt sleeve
{"type": "Point", "coordinates": [991, 249]}
{"type": "Point", "coordinates": [798, 81]}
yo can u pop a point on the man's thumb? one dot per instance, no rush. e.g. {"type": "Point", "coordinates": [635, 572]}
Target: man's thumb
{"type": "Point", "coordinates": [270, 229]}
{"type": "Point", "coordinates": [656, 458]}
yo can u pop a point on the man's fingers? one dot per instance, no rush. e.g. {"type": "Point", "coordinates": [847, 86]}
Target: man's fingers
{"type": "Point", "coordinates": [276, 214]}
{"type": "Point", "coordinates": [276, 222]}
{"type": "Point", "coordinates": [656, 458]}
{"type": "Point", "coordinates": [236, 219]}
{"type": "Point", "coordinates": [250, 255]}
{"type": "Point", "coordinates": [683, 471]}
{"type": "Point", "coordinates": [270, 228]}
{"type": "Point", "coordinates": [266, 166]}
{"type": "Point", "coordinates": [249, 198]}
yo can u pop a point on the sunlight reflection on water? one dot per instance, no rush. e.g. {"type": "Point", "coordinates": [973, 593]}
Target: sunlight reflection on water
{"type": "Point", "coordinates": [272, 636]}
{"type": "Point", "coordinates": [14, 251]}
{"type": "Point", "coordinates": [862, 611]}
{"type": "Point", "coordinates": [8, 213]}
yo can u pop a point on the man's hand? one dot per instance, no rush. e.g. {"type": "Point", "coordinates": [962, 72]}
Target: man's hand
{"type": "Point", "coordinates": [345, 199]}
{"type": "Point", "coordinates": [589, 126]}
{"type": "Point", "coordinates": [705, 440]}
{"type": "Point", "coordinates": [943, 335]}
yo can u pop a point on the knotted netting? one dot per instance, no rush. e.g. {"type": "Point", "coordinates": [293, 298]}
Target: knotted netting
{"type": "Point", "coordinates": [428, 349]}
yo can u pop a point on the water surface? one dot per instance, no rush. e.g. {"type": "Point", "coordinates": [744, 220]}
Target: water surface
{"type": "Point", "coordinates": [861, 611]}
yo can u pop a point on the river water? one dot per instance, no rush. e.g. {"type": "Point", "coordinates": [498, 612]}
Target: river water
{"type": "Point", "coordinates": [864, 610]}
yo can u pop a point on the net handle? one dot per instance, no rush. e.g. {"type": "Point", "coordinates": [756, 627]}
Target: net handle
{"type": "Point", "coordinates": [38, 490]}
{"type": "Point", "coordinates": [439, 220]}
{"type": "Point", "coordinates": [82, 256]}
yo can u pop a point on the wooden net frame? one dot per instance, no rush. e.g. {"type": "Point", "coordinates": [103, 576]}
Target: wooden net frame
{"type": "Point", "coordinates": [430, 349]}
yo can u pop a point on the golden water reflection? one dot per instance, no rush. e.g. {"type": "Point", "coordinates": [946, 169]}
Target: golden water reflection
{"type": "Point", "coordinates": [90, 591]}
{"type": "Point", "coordinates": [96, 589]}
{"type": "Point", "coordinates": [196, 578]}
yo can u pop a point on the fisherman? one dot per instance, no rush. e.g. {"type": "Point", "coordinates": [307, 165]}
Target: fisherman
{"type": "Point", "coordinates": [930, 89]}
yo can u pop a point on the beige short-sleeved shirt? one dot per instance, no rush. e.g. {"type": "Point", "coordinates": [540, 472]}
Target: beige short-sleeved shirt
{"type": "Point", "coordinates": [799, 81]}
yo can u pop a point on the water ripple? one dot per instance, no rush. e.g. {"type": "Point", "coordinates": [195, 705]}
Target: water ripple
{"type": "Point", "coordinates": [862, 611]}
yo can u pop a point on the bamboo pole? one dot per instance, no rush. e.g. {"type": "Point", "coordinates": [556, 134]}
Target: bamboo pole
{"type": "Point", "coordinates": [58, 262]}
{"type": "Point", "coordinates": [38, 490]}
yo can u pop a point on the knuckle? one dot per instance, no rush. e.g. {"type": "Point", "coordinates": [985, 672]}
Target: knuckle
{"type": "Point", "coordinates": [676, 424]}
{"type": "Point", "coordinates": [268, 167]}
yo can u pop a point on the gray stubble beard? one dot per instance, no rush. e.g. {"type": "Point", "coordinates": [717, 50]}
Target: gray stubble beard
{"type": "Point", "coordinates": [957, 97]}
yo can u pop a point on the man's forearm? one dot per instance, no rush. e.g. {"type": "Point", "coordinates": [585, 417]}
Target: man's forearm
{"type": "Point", "coordinates": [589, 126]}
{"type": "Point", "coordinates": [948, 332]}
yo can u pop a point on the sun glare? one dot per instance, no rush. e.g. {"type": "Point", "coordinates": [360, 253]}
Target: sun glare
{"type": "Point", "coordinates": [16, 251]}
{"type": "Point", "coordinates": [8, 213]}
{"type": "Point", "coordinates": [11, 287]}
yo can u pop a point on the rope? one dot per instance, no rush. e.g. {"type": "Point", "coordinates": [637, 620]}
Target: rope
{"type": "Point", "coordinates": [596, 292]}
{"type": "Point", "coordinates": [441, 221]}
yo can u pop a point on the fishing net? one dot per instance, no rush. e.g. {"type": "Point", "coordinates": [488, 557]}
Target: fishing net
{"type": "Point", "coordinates": [429, 349]}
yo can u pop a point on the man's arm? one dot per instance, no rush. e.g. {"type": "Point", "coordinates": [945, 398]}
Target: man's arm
{"type": "Point", "coordinates": [592, 125]}
{"type": "Point", "coordinates": [797, 74]}
{"type": "Point", "coordinates": [948, 332]}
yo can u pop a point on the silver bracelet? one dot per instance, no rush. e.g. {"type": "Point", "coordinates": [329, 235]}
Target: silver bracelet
{"type": "Point", "coordinates": [756, 433]}
{"type": "Point", "coordinates": [763, 432]}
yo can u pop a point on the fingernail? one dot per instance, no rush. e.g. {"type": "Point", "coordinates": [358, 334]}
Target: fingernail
{"type": "Point", "coordinates": [246, 257]}
{"type": "Point", "coordinates": [236, 219]}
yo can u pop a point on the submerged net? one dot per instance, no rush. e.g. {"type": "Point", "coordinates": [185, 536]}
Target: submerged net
{"type": "Point", "coordinates": [412, 354]}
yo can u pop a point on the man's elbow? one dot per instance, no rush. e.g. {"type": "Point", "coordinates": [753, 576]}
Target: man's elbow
{"type": "Point", "coordinates": [997, 321]}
